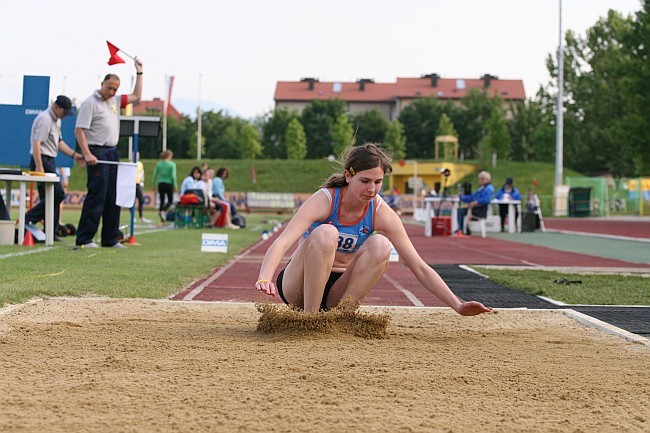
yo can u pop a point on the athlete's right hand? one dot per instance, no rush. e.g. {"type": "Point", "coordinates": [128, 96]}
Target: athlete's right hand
{"type": "Point", "coordinates": [265, 286]}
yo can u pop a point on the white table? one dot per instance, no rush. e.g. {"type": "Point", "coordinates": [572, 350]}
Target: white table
{"type": "Point", "coordinates": [49, 202]}
{"type": "Point", "coordinates": [512, 227]}
{"type": "Point", "coordinates": [429, 212]}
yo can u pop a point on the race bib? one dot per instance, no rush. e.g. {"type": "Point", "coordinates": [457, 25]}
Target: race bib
{"type": "Point", "coordinates": [347, 243]}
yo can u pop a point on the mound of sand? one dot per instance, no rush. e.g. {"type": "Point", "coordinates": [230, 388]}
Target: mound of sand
{"type": "Point", "coordinates": [280, 319]}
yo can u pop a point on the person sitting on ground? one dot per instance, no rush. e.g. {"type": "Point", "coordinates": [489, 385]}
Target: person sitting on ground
{"type": "Point", "coordinates": [344, 233]}
{"type": "Point", "coordinates": [507, 192]}
{"type": "Point", "coordinates": [477, 202]}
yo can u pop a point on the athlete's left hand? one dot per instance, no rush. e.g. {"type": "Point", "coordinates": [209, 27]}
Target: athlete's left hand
{"type": "Point", "coordinates": [472, 308]}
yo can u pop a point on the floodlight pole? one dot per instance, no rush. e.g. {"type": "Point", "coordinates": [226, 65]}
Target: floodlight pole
{"type": "Point", "coordinates": [559, 127]}
{"type": "Point", "coordinates": [198, 121]}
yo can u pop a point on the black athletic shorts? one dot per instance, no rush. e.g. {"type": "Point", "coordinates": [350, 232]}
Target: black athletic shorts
{"type": "Point", "coordinates": [334, 276]}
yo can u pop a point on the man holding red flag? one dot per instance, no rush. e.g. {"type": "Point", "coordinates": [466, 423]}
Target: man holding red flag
{"type": "Point", "coordinates": [97, 132]}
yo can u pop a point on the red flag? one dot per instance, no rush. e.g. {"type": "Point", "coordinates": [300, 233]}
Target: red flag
{"type": "Point", "coordinates": [114, 59]}
{"type": "Point", "coordinates": [253, 173]}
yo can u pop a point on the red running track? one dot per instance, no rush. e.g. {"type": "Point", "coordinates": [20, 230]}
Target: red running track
{"type": "Point", "coordinates": [235, 280]}
{"type": "Point", "coordinates": [634, 228]}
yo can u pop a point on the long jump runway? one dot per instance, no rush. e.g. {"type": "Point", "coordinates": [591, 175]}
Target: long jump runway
{"type": "Point", "coordinates": [235, 280]}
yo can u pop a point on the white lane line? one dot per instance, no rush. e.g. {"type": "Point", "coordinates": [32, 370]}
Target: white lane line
{"type": "Point", "coordinates": [22, 253]}
{"type": "Point", "coordinates": [411, 297]}
{"type": "Point", "coordinates": [605, 327]}
{"type": "Point", "coordinates": [198, 289]}
{"type": "Point", "coordinates": [598, 235]}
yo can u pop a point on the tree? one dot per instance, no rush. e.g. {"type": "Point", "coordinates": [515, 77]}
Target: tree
{"type": "Point", "coordinates": [533, 136]}
{"type": "Point", "coordinates": [445, 126]}
{"type": "Point", "coordinates": [229, 137]}
{"type": "Point", "coordinates": [420, 121]}
{"type": "Point", "coordinates": [274, 127]}
{"type": "Point", "coordinates": [295, 140]}
{"type": "Point", "coordinates": [497, 137]}
{"type": "Point", "coordinates": [249, 140]}
{"type": "Point", "coordinates": [369, 127]}
{"type": "Point", "coordinates": [395, 141]}
{"type": "Point", "coordinates": [318, 119]}
{"type": "Point", "coordinates": [604, 84]}
{"type": "Point", "coordinates": [470, 120]}
{"type": "Point", "coordinates": [342, 133]}
{"type": "Point", "coordinates": [178, 136]}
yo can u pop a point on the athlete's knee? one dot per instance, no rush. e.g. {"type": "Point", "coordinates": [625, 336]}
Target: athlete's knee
{"type": "Point", "coordinates": [324, 235]}
{"type": "Point", "coordinates": [378, 246]}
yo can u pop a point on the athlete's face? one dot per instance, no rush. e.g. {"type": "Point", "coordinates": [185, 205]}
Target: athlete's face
{"type": "Point", "coordinates": [365, 184]}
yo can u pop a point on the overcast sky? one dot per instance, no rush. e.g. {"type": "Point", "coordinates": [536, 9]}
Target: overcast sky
{"type": "Point", "coordinates": [241, 48]}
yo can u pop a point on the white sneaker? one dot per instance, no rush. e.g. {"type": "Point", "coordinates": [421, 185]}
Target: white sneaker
{"type": "Point", "coordinates": [118, 245]}
{"type": "Point", "coordinates": [85, 246]}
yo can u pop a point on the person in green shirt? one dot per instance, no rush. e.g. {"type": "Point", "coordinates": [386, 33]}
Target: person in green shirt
{"type": "Point", "coordinates": [164, 180]}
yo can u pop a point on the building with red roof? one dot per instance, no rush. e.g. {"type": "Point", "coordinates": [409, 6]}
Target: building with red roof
{"type": "Point", "coordinates": [391, 98]}
{"type": "Point", "coordinates": [144, 108]}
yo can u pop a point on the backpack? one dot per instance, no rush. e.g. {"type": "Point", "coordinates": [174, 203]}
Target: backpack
{"type": "Point", "coordinates": [193, 196]}
{"type": "Point", "coordinates": [239, 220]}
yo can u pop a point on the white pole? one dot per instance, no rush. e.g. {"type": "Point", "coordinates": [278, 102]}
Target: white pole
{"type": "Point", "coordinates": [198, 121]}
{"type": "Point", "coordinates": [415, 187]}
{"type": "Point", "coordinates": [559, 131]}
{"type": "Point", "coordinates": [165, 105]}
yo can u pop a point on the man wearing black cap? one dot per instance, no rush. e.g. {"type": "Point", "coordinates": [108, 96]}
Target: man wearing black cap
{"type": "Point", "coordinates": [46, 141]}
{"type": "Point", "coordinates": [507, 192]}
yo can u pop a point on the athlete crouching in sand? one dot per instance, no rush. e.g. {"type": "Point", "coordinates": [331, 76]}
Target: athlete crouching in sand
{"type": "Point", "coordinates": [344, 231]}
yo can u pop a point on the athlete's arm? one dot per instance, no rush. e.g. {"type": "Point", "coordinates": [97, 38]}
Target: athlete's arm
{"type": "Point", "coordinates": [316, 208]}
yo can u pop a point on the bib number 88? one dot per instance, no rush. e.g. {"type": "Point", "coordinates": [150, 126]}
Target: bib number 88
{"type": "Point", "coordinates": [347, 242]}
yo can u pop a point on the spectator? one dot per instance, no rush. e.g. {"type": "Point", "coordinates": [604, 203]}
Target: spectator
{"type": "Point", "coordinates": [193, 181]}
{"type": "Point", "coordinates": [344, 233]}
{"type": "Point", "coordinates": [214, 208]}
{"type": "Point", "coordinates": [97, 132]}
{"type": "Point", "coordinates": [219, 195]}
{"type": "Point", "coordinates": [507, 192]}
{"type": "Point", "coordinates": [46, 141]}
{"type": "Point", "coordinates": [164, 179]}
{"type": "Point", "coordinates": [478, 201]}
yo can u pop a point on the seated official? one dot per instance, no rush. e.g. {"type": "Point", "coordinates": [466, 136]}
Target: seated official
{"type": "Point", "coordinates": [478, 201]}
{"type": "Point", "coordinates": [507, 192]}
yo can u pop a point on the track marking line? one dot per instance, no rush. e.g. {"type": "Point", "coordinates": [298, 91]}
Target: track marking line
{"type": "Point", "coordinates": [22, 253]}
{"type": "Point", "coordinates": [198, 289]}
{"type": "Point", "coordinates": [598, 235]}
{"type": "Point", "coordinates": [411, 297]}
{"type": "Point", "coordinates": [605, 327]}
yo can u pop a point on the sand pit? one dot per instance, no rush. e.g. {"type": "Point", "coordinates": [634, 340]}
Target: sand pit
{"type": "Point", "coordinates": [142, 366]}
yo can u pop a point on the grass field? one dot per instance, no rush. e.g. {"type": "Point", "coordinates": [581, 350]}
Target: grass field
{"type": "Point", "coordinates": [306, 175]}
{"type": "Point", "coordinates": [593, 289]}
{"type": "Point", "coordinates": [166, 261]}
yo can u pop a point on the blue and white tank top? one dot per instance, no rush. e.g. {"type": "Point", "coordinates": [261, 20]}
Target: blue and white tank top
{"type": "Point", "coordinates": [351, 234]}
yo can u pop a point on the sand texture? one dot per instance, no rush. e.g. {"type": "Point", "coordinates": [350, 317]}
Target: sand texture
{"type": "Point", "coordinates": [143, 366]}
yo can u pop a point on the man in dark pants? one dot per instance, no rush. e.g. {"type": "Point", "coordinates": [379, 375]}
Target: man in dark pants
{"type": "Point", "coordinates": [97, 131]}
{"type": "Point", "coordinates": [46, 141]}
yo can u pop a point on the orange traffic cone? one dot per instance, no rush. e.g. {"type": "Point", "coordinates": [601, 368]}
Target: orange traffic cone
{"type": "Point", "coordinates": [29, 239]}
